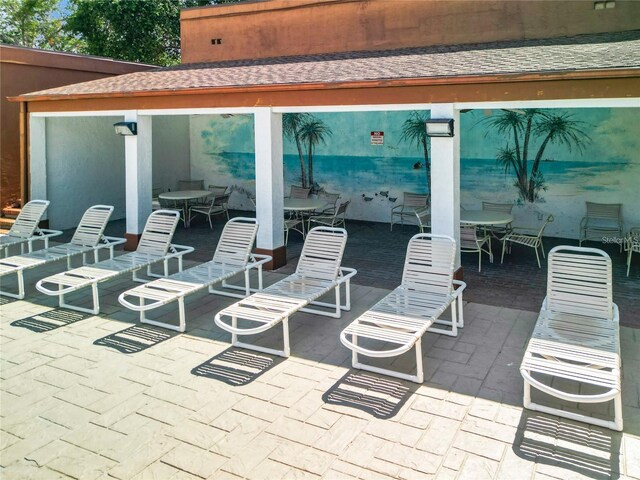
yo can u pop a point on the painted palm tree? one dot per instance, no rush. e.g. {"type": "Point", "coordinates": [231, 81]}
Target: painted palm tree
{"type": "Point", "coordinates": [414, 131]}
{"type": "Point", "coordinates": [313, 132]}
{"type": "Point", "coordinates": [291, 124]}
{"type": "Point", "coordinates": [522, 127]}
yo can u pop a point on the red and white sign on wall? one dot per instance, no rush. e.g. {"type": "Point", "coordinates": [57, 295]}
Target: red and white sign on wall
{"type": "Point", "coordinates": [377, 138]}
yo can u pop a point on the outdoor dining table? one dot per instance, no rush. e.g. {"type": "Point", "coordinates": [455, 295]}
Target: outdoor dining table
{"type": "Point", "coordinates": [301, 205]}
{"type": "Point", "coordinates": [185, 196]}
{"type": "Point", "coordinates": [485, 217]}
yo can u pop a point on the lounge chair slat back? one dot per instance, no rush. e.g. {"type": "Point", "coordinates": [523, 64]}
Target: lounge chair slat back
{"type": "Point", "coordinates": [322, 253]}
{"type": "Point", "coordinates": [429, 264]}
{"type": "Point", "coordinates": [92, 226]}
{"type": "Point", "coordinates": [157, 234]}
{"type": "Point", "coordinates": [580, 282]}
{"type": "Point", "coordinates": [236, 241]}
{"type": "Point", "coordinates": [27, 221]}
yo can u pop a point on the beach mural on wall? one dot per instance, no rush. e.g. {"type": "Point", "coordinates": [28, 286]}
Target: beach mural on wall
{"type": "Point", "coordinates": [592, 156]}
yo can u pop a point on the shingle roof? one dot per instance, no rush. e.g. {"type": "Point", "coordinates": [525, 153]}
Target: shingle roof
{"type": "Point", "coordinates": [568, 54]}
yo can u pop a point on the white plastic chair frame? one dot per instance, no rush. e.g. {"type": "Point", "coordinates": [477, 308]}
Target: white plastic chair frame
{"type": "Point", "coordinates": [576, 337]}
{"type": "Point", "coordinates": [632, 245]}
{"type": "Point", "coordinates": [602, 219]}
{"type": "Point", "coordinates": [217, 206]}
{"type": "Point", "coordinates": [232, 257]}
{"type": "Point", "coordinates": [471, 242]}
{"type": "Point", "coordinates": [336, 219]}
{"type": "Point", "coordinates": [155, 246]}
{"type": "Point", "coordinates": [318, 272]}
{"type": "Point", "coordinates": [25, 228]}
{"type": "Point", "coordinates": [89, 237]}
{"type": "Point", "coordinates": [423, 216]}
{"type": "Point", "coordinates": [399, 321]}
{"type": "Point", "coordinates": [410, 202]}
{"type": "Point", "coordinates": [299, 192]}
{"type": "Point", "coordinates": [533, 241]}
{"type": "Point", "coordinates": [292, 224]}
{"type": "Point", "coordinates": [498, 231]}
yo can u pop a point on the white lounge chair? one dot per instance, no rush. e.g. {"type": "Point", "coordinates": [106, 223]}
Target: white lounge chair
{"type": "Point", "coordinates": [25, 228]}
{"type": "Point", "coordinates": [232, 257]}
{"type": "Point", "coordinates": [155, 246]}
{"type": "Point", "coordinates": [576, 338]}
{"type": "Point", "coordinates": [318, 272]}
{"type": "Point", "coordinates": [397, 323]}
{"type": "Point", "coordinates": [89, 237]}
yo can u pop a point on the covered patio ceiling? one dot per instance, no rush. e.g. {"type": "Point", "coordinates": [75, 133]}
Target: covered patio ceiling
{"type": "Point", "coordinates": [599, 70]}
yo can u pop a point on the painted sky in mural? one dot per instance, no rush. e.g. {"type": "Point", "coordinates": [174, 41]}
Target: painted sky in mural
{"type": "Point", "coordinates": [606, 170]}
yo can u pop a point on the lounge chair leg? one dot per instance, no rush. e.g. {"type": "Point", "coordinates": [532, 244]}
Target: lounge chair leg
{"type": "Point", "coordinates": [247, 285]}
{"type": "Point", "coordinates": [285, 335]}
{"type": "Point", "coordinates": [354, 354]}
{"type": "Point", "coordinates": [94, 297]}
{"type": "Point", "coordinates": [526, 398]}
{"type": "Point", "coordinates": [617, 407]}
{"type": "Point", "coordinates": [460, 311]}
{"type": "Point", "coordinates": [183, 322]}
{"type": "Point", "coordinates": [20, 294]}
{"type": "Point", "coordinates": [419, 372]}
{"type": "Point", "coordinates": [454, 319]}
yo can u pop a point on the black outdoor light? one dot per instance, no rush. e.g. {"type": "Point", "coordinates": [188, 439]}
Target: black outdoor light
{"type": "Point", "coordinates": [439, 127]}
{"type": "Point", "coordinates": [126, 128]}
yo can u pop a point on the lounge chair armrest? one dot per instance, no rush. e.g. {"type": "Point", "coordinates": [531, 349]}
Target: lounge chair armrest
{"type": "Point", "coordinates": [373, 353]}
{"type": "Point", "coordinates": [179, 250]}
{"type": "Point", "coordinates": [111, 241]}
{"type": "Point", "coordinates": [46, 233]}
{"type": "Point", "coordinates": [583, 222]}
{"type": "Point", "coordinates": [257, 260]}
{"type": "Point", "coordinates": [461, 286]}
{"type": "Point", "coordinates": [138, 307]}
{"type": "Point", "coordinates": [346, 273]}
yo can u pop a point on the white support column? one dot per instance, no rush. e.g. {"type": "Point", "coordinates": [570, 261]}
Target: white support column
{"type": "Point", "coordinates": [138, 176]}
{"type": "Point", "coordinates": [37, 158]}
{"type": "Point", "coordinates": [269, 180]}
{"type": "Point", "coordinates": [445, 178]}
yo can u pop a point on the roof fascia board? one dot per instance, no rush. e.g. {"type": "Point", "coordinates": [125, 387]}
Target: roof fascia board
{"type": "Point", "coordinates": [591, 74]}
{"type": "Point", "coordinates": [82, 113]}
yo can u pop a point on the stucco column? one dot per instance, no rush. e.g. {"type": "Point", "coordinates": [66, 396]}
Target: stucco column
{"type": "Point", "coordinates": [38, 158]}
{"type": "Point", "coordinates": [445, 178]}
{"type": "Point", "coordinates": [269, 185]}
{"type": "Point", "coordinates": [137, 151]}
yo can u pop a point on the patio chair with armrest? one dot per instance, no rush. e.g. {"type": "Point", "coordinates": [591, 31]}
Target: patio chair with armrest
{"type": "Point", "coordinates": [155, 246]}
{"type": "Point", "coordinates": [498, 231]}
{"type": "Point", "coordinates": [318, 272]}
{"type": "Point", "coordinates": [88, 238]}
{"type": "Point", "coordinates": [602, 220]}
{"type": "Point", "coordinates": [472, 239]}
{"type": "Point", "coordinates": [216, 206]}
{"type": "Point", "coordinates": [299, 192]}
{"type": "Point", "coordinates": [190, 185]}
{"type": "Point", "coordinates": [397, 323]}
{"type": "Point", "coordinates": [25, 230]}
{"type": "Point", "coordinates": [232, 257]}
{"type": "Point", "coordinates": [521, 237]}
{"type": "Point", "coordinates": [576, 338]}
{"type": "Point", "coordinates": [423, 215]}
{"type": "Point", "coordinates": [335, 219]}
{"type": "Point", "coordinates": [406, 210]}
{"type": "Point", "coordinates": [632, 245]}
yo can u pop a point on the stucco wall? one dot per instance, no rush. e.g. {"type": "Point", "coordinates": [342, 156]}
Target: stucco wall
{"type": "Point", "coordinates": [85, 166]}
{"type": "Point", "coordinates": [170, 151]}
{"type": "Point", "coordinates": [373, 177]}
{"type": "Point", "coordinates": [300, 27]}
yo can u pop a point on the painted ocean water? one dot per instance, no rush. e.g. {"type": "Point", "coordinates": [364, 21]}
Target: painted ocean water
{"type": "Point", "coordinates": [367, 175]}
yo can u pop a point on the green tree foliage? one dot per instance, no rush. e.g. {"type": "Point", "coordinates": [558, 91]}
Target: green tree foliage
{"type": "Point", "coordinates": [415, 131]}
{"type": "Point", "coordinates": [35, 24]}
{"type": "Point", "coordinates": [523, 127]}
{"type": "Point", "coordinates": [291, 123]}
{"type": "Point", "coordinates": [312, 133]}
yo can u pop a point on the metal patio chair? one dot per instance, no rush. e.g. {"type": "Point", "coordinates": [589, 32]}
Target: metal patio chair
{"type": "Point", "coordinates": [602, 220]}
{"type": "Point", "coordinates": [519, 236]}
{"type": "Point", "coordinates": [423, 216]}
{"type": "Point", "coordinates": [407, 209]}
{"type": "Point", "coordinates": [473, 239]}
{"type": "Point", "coordinates": [498, 231]}
{"type": "Point", "coordinates": [632, 245]}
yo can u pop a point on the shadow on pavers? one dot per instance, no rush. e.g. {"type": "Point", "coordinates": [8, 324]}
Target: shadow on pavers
{"type": "Point", "coordinates": [50, 320]}
{"type": "Point", "coordinates": [578, 447]}
{"type": "Point", "coordinates": [236, 367]}
{"type": "Point", "coordinates": [6, 301]}
{"type": "Point", "coordinates": [135, 339]}
{"type": "Point", "coordinates": [381, 396]}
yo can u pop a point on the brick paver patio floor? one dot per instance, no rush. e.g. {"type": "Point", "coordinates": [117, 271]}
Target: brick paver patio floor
{"type": "Point", "coordinates": [102, 396]}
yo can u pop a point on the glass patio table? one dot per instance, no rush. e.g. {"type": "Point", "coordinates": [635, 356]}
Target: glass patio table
{"type": "Point", "coordinates": [484, 217]}
{"type": "Point", "coordinates": [301, 205]}
{"type": "Point", "coordinates": [185, 196]}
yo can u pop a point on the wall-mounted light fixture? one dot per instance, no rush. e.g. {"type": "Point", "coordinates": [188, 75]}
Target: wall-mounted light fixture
{"type": "Point", "coordinates": [439, 127]}
{"type": "Point", "coordinates": [126, 128]}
